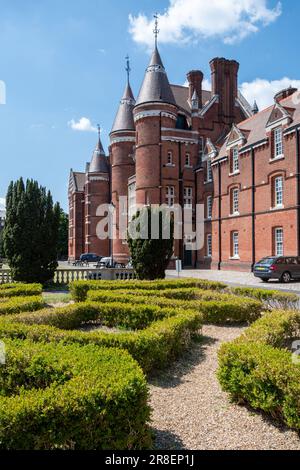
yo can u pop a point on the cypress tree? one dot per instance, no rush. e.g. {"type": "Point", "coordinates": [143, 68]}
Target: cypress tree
{"type": "Point", "coordinates": [31, 232]}
{"type": "Point", "coordinates": [151, 256]}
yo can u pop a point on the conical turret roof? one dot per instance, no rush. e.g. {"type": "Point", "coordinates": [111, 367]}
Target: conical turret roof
{"type": "Point", "coordinates": [99, 161]}
{"type": "Point", "coordinates": [124, 118]}
{"type": "Point", "coordinates": [156, 86]}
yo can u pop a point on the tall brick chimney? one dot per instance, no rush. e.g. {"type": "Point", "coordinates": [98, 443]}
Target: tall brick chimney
{"type": "Point", "coordinates": [224, 77]}
{"type": "Point", "coordinates": [195, 78]}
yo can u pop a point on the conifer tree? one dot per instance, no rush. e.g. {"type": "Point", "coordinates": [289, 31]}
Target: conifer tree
{"type": "Point", "coordinates": [31, 232]}
{"type": "Point", "coordinates": [151, 255]}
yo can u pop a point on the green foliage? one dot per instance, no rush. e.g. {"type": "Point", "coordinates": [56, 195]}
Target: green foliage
{"type": "Point", "coordinates": [31, 232]}
{"type": "Point", "coordinates": [215, 308]}
{"type": "Point", "coordinates": [273, 298]}
{"type": "Point", "coordinates": [79, 289]}
{"type": "Point", "coordinates": [166, 333]}
{"type": "Point", "coordinates": [23, 290]}
{"type": "Point", "coordinates": [71, 397]}
{"type": "Point", "coordinates": [21, 304]}
{"type": "Point", "coordinates": [258, 370]}
{"type": "Point", "coordinates": [151, 256]}
{"type": "Point", "coordinates": [63, 235]}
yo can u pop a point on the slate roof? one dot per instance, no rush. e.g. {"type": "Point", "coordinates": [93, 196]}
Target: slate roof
{"type": "Point", "coordinates": [79, 180]}
{"type": "Point", "coordinates": [156, 86]}
{"type": "Point", "coordinates": [181, 95]}
{"type": "Point", "coordinates": [254, 128]}
{"type": "Point", "coordinates": [99, 162]}
{"type": "Point", "coordinates": [124, 118]}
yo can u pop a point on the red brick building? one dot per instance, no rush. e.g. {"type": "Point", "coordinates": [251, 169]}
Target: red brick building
{"type": "Point", "coordinates": [186, 145]}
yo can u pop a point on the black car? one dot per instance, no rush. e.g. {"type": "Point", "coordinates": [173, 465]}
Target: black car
{"type": "Point", "coordinates": [90, 258]}
{"type": "Point", "coordinates": [283, 268]}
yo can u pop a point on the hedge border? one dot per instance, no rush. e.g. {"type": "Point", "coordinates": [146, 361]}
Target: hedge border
{"type": "Point", "coordinates": [86, 398]}
{"type": "Point", "coordinates": [258, 369]}
{"type": "Point", "coordinates": [152, 347]}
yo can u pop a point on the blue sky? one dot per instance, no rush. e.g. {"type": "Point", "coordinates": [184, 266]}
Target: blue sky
{"type": "Point", "coordinates": [64, 61]}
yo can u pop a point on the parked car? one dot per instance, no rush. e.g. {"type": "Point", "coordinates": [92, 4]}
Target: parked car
{"type": "Point", "coordinates": [283, 268]}
{"type": "Point", "coordinates": [109, 263]}
{"type": "Point", "coordinates": [90, 258]}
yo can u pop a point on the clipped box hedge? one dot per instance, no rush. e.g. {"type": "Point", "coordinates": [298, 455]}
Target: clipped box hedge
{"type": "Point", "coordinates": [20, 290]}
{"type": "Point", "coordinates": [274, 298]}
{"type": "Point", "coordinates": [215, 308]}
{"type": "Point", "coordinates": [153, 347]}
{"type": "Point", "coordinates": [71, 397]}
{"type": "Point", "coordinates": [79, 289]}
{"type": "Point", "coordinates": [21, 304]}
{"type": "Point", "coordinates": [258, 369]}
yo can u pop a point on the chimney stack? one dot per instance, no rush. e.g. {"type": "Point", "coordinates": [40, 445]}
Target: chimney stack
{"type": "Point", "coordinates": [195, 78]}
{"type": "Point", "coordinates": [224, 77]}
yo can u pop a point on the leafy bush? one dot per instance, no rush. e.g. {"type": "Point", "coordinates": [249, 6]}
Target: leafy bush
{"type": "Point", "coordinates": [215, 308]}
{"type": "Point", "coordinates": [22, 290]}
{"type": "Point", "coordinates": [273, 298]}
{"type": "Point", "coordinates": [71, 397]}
{"type": "Point", "coordinates": [258, 369]}
{"type": "Point", "coordinates": [21, 304]}
{"type": "Point", "coordinates": [153, 347]}
{"type": "Point", "coordinates": [79, 289]}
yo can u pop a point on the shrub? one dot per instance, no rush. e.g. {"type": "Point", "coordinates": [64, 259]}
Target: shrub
{"type": "Point", "coordinates": [22, 290]}
{"type": "Point", "coordinates": [21, 304]}
{"type": "Point", "coordinates": [273, 298]}
{"type": "Point", "coordinates": [153, 347]}
{"type": "Point", "coordinates": [71, 397]}
{"type": "Point", "coordinates": [215, 308]}
{"type": "Point", "coordinates": [255, 368]}
{"type": "Point", "coordinates": [79, 289]}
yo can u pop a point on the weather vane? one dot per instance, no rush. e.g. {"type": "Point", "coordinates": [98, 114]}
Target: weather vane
{"type": "Point", "coordinates": [156, 30]}
{"type": "Point", "coordinates": [99, 130]}
{"type": "Point", "coordinates": [128, 69]}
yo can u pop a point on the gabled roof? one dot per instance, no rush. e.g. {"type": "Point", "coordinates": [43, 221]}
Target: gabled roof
{"type": "Point", "coordinates": [76, 181]}
{"type": "Point", "coordinates": [156, 86]}
{"type": "Point", "coordinates": [181, 95]}
{"type": "Point", "coordinates": [236, 135]}
{"type": "Point", "coordinates": [278, 113]}
{"type": "Point", "coordinates": [255, 128]}
{"type": "Point", "coordinates": [124, 119]}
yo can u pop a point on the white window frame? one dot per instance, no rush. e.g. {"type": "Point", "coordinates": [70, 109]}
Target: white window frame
{"type": "Point", "coordinates": [209, 203]}
{"type": "Point", "coordinates": [187, 160]}
{"type": "Point", "coordinates": [209, 246]}
{"type": "Point", "coordinates": [188, 197]}
{"type": "Point", "coordinates": [235, 196]}
{"type": "Point", "coordinates": [278, 191]}
{"type": "Point", "coordinates": [279, 241]}
{"type": "Point", "coordinates": [209, 174]}
{"type": "Point", "coordinates": [235, 160]}
{"type": "Point", "coordinates": [235, 245]}
{"type": "Point", "coordinates": [278, 142]}
{"type": "Point", "coordinates": [170, 196]}
{"type": "Point", "coordinates": [170, 158]}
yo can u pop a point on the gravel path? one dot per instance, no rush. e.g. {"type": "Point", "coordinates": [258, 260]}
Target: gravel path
{"type": "Point", "coordinates": [190, 411]}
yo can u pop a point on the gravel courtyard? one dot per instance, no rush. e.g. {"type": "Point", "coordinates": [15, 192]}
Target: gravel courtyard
{"type": "Point", "coordinates": [190, 411]}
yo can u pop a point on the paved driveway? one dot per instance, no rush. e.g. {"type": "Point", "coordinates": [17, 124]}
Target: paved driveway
{"type": "Point", "coordinates": [237, 279]}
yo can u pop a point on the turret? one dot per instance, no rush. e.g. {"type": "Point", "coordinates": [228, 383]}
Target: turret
{"type": "Point", "coordinates": [97, 192]}
{"type": "Point", "coordinates": [122, 138]}
{"type": "Point", "coordinates": [155, 109]}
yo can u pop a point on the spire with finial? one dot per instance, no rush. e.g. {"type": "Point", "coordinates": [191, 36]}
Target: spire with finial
{"type": "Point", "coordinates": [255, 108]}
{"type": "Point", "coordinates": [128, 69]}
{"type": "Point", "coordinates": [124, 118]}
{"type": "Point", "coordinates": [156, 86]}
{"type": "Point", "coordinates": [99, 160]}
{"type": "Point", "coordinates": [156, 31]}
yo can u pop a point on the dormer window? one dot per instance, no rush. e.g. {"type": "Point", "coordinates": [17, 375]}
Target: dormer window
{"type": "Point", "coordinates": [278, 142]}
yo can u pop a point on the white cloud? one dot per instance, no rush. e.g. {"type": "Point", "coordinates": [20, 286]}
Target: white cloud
{"type": "Point", "coordinates": [2, 203]}
{"type": "Point", "coordinates": [190, 20]}
{"type": "Point", "coordinates": [83, 125]}
{"type": "Point", "coordinates": [263, 91]}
